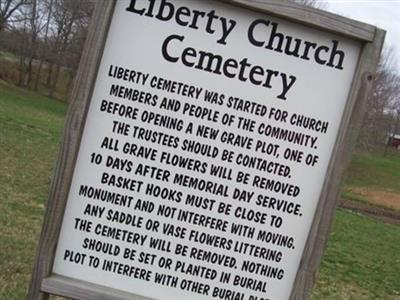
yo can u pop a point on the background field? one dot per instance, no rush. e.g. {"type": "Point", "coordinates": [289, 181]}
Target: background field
{"type": "Point", "coordinates": [362, 260]}
{"type": "Point", "coordinates": [375, 179]}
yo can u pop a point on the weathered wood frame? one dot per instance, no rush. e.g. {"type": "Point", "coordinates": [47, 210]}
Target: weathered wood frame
{"type": "Point", "coordinates": [44, 283]}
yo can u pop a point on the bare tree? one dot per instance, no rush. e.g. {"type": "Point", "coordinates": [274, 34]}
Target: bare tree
{"type": "Point", "coordinates": [43, 50]}
{"type": "Point", "coordinates": [36, 13]}
{"type": "Point", "coordinates": [26, 34]}
{"type": "Point", "coordinates": [8, 9]}
{"type": "Point", "coordinates": [68, 16]}
{"type": "Point", "coordinates": [382, 104]}
{"type": "Point", "coordinates": [23, 53]}
{"type": "Point", "coordinates": [75, 48]}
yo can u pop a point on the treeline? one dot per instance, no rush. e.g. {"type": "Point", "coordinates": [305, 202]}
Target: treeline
{"type": "Point", "coordinates": [47, 38]}
{"type": "Point", "coordinates": [382, 116]}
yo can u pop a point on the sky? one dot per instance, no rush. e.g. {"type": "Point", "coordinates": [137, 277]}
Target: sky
{"type": "Point", "coordinates": [384, 14]}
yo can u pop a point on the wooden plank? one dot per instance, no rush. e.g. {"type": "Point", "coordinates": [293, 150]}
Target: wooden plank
{"type": "Point", "coordinates": [73, 128]}
{"type": "Point", "coordinates": [311, 17]}
{"type": "Point", "coordinates": [77, 289]}
{"type": "Point", "coordinates": [345, 141]}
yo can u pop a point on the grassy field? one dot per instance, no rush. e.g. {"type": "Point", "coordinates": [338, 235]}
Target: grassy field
{"type": "Point", "coordinates": [376, 171]}
{"type": "Point", "coordinates": [374, 178]}
{"type": "Point", "coordinates": [362, 260]}
{"type": "Point", "coordinates": [30, 127]}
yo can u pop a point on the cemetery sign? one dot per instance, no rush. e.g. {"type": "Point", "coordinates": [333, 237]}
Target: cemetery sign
{"type": "Point", "coordinates": [203, 150]}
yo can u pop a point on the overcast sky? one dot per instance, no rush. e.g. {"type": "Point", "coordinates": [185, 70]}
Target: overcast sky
{"type": "Point", "coordinates": [381, 13]}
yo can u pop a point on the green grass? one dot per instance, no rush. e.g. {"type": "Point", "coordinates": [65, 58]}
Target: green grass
{"type": "Point", "coordinates": [30, 127]}
{"type": "Point", "coordinates": [362, 260]}
{"type": "Point", "coordinates": [375, 171]}
{"type": "Point", "coordinates": [374, 179]}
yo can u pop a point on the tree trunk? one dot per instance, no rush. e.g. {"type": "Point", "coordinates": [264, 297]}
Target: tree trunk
{"type": "Point", "coordinates": [54, 82]}
{"type": "Point", "coordinates": [69, 84]}
{"type": "Point", "coordinates": [49, 75]}
{"type": "Point", "coordinates": [37, 80]}
{"type": "Point", "coordinates": [22, 67]}
{"type": "Point", "coordinates": [30, 70]}
{"type": "Point", "coordinates": [42, 55]}
{"type": "Point", "coordinates": [2, 24]}
{"type": "Point", "coordinates": [22, 70]}
{"type": "Point", "coordinates": [33, 44]}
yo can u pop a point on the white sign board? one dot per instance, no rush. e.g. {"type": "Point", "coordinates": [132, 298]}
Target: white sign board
{"type": "Point", "coordinates": [204, 152]}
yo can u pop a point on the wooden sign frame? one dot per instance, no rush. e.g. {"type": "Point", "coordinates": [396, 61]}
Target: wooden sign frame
{"type": "Point", "coordinates": [44, 283]}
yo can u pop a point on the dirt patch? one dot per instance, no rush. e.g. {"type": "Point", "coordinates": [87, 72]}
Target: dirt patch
{"type": "Point", "coordinates": [382, 198]}
{"type": "Point", "coordinates": [384, 214]}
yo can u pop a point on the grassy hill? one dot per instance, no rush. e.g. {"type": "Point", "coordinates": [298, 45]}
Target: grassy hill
{"type": "Point", "coordinates": [362, 260]}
